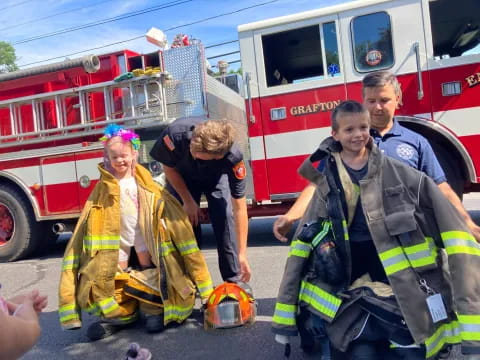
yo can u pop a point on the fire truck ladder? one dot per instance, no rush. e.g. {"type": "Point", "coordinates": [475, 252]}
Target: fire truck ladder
{"type": "Point", "coordinates": [143, 104]}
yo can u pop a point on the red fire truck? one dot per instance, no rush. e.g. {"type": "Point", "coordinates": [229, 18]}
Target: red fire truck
{"type": "Point", "coordinates": [297, 68]}
{"type": "Point", "coordinates": [301, 66]}
{"type": "Point", "coordinates": [52, 116]}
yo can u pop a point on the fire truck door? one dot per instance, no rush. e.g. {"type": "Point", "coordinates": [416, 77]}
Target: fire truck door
{"type": "Point", "coordinates": [60, 189]}
{"type": "Point", "coordinates": [300, 78]}
{"type": "Point", "coordinates": [388, 36]}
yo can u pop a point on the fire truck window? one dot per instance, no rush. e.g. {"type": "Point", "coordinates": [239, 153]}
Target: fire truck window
{"type": "Point", "coordinates": [331, 49]}
{"type": "Point", "coordinates": [372, 42]}
{"type": "Point", "coordinates": [455, 27]}
{"type": "Point", "coordinates": [293, 56]}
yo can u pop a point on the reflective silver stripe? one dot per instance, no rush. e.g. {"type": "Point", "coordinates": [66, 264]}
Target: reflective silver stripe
{"type": "Point", "coordinates": [320, 300]}
{"type": "Point", "coordinates": [473, 328]}
{"type": "Point", "coordinates": [300, 249]}
{"type": "Point", "coordinates": [446, 334]}
{"type": "Point", "coordinates": [394, 260]}
{"type": "Point", "coordinates": [188, 248]}
{"type": "Point", "coordinates": [101, 244]}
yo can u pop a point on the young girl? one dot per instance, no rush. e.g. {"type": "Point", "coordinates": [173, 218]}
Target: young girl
{"type": "Point", "coordinates": [121, 154]}
{"type": "Point", "coordinates": [128, 210]}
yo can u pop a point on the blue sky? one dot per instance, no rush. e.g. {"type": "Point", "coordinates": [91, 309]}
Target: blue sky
{"type": "Point", "coordinates": [22, 20]}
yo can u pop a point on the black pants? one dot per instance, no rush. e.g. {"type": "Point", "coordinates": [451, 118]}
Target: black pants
{"type": "Point", "coordinates": [373, 344]}
{"type": "Point", "coordinates": [221, 215]}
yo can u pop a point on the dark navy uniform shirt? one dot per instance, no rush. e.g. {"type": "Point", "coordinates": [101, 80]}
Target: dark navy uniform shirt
{"type": "Point", "coordinates": [411, 148]}
{"type": "Point", "coordinates": [173, 150]}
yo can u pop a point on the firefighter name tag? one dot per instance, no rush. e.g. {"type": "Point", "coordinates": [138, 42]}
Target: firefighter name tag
{"type": "Point", "coordinates": [436, 307]}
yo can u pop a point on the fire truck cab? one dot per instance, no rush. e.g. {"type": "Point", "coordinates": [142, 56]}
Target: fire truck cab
{"type": "Point", "coordinates": [299, 67]}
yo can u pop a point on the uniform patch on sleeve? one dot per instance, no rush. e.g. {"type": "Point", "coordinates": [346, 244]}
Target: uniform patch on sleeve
{"type": "Point", "coordinates": [168, 143]}
{"type": "Point", "coordinates": [240, 171]}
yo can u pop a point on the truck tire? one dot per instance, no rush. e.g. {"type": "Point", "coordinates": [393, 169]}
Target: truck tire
{"type": "Point", "coordinates": [19, 231]}
{"type": "Point", "coordinates": [451, 168]}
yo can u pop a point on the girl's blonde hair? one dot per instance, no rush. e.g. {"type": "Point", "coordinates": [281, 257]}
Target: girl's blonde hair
{"type": "Point", "coordinates": [214, 137]}
{"type": "Point", "coordinates": [106, 159]}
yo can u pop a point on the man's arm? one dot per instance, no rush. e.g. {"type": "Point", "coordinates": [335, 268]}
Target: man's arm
{"type": "Point", "coordinates": [284, 223]}
{"type": "Point", "coordinates": [447, 190]}
{"type": "Point", "coordinates": [241, 228]}
{"type": "Point", "coordinates": [189, 205]}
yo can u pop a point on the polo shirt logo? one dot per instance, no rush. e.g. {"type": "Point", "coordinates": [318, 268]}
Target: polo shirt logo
{"type": "Point", "coordinates": [405, 151]}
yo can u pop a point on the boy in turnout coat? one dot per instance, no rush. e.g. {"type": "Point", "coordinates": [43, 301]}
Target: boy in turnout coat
{"type": "Point", "coordinates": [369, 255]}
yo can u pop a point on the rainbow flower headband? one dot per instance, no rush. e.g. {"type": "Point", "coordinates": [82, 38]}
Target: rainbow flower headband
{"type": "Point", "coordinates": [113, 130]}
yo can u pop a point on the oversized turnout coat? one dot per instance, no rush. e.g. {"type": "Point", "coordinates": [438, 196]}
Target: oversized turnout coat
{"type": "Point", "coordinates": [412, 226]}
{"type": "Point", "coordinates": [90, 262]}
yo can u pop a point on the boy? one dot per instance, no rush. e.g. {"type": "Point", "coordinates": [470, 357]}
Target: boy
{"type": "Point", "coordinates": [374, 273]}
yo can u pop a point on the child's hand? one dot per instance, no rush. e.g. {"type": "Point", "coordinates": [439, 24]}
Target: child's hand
{"type": "Point", "coordinates": [39, 302]}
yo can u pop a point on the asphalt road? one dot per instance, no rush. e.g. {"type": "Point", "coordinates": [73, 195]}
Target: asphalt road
{"type": "Point", "coordinates": [189, 341]}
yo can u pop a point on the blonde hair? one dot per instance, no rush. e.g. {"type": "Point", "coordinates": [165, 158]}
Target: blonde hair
{"type": "Point", "coordinates": [214, 137]}
{"type": "Point", "coordinates": [106, 157]}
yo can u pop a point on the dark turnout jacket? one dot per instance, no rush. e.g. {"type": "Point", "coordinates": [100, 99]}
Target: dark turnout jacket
{"type": "Point", "coordinates": [412, 226]}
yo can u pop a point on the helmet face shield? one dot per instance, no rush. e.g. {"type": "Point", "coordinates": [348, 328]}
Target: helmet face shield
{"type": "Point", "coordinates": [225, 315]}
{"type": "Point", "coordinates": [229, 306]}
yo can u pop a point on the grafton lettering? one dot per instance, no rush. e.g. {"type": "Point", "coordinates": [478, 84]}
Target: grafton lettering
{"type": "Point", "coordinates": [314, 108]}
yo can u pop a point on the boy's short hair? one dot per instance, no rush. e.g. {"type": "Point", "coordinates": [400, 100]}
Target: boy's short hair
{"type": "Point", "coordinates": [380, 79]}
{"type": "Point", "coordinates": [214, 137]}
{"type": "Point", "coordinates": [348, 107]}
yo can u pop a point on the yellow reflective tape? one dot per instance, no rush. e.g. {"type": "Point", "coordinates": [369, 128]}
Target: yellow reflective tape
{"type": "Point", "coordinates": [392, 269]}
{"type": "Point", "coordinates": [320, 299]}
{"type": "Point", "coordinates": [212, 298]}
{"type": "Point", "coordinates": [345, 230]}
{"type": "Point", "coordinates": [69, 317]}
{"type": "Point", "coordinates": [446, 334]}
{"type": "Point", "coordinates": [108, 305]}
{"type": "Point", "coordinates": [448, 235]}
{"type": "Point", "coordinates": [452, 250]}
{"type": "Point", "coordinates": [319, 237]}
{"type": "Point", "coordinates": [172, 312]}
{"type": "Point", "coordinates": [286, 307]}
{"type": "Point", "coordinates": [299, 253]}
{"type": "Point", "coordinates": [300, 249]}
{"type": "Point", "coordinates": [167, 248]}
{"type": "Point", "coordinates": [469, 319]}
{"type": "Point", "coordinates": [284, 314]}
{"type": "Point", "coordinates": [67, 307]}
{"type": "Point", "coordinates": [390, 253]}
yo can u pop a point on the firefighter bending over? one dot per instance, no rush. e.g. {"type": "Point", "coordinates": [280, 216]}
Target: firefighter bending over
{"type": "Point", "coordinates": [200, 157]}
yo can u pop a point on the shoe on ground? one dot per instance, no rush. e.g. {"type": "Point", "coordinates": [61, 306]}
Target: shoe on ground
{"type": "Point", "coordinates": [135, 352]}
{"type": "Point", "coordinates": [154, 323]}
{"type": "Point", "coordinates": [100, 330]}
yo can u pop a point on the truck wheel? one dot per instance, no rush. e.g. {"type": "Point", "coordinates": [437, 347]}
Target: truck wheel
{"type": "Point", "coordinates": [18, 228]}
{"type": "Point", "coordinates": [451, 168]}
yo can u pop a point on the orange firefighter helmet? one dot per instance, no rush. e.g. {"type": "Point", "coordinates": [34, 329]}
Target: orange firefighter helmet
{"type": "Point", "coordinates": [230, 305]}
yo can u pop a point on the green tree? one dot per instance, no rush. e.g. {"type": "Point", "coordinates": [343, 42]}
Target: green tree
{"type": "Point", "coordinates": [7, 58]}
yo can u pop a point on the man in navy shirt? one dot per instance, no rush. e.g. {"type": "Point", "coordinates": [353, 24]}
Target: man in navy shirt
{"type": "Point", "coordinates": [200, 157]}
{"type": "Point", "coordinates": [382, 95]}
